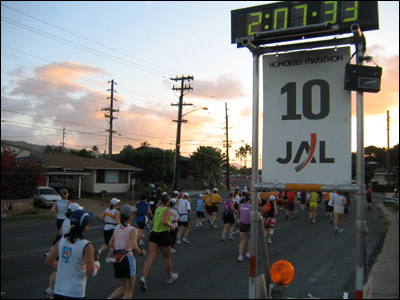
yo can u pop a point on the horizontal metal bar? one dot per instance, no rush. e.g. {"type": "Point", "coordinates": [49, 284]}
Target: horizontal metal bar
{"type": "Point", "coordinates": [345, 188]}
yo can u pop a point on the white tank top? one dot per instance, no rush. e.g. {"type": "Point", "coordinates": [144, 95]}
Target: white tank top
{"type": "Point", "coordinates": [109, 218]}
{"type": "Point", "coordinates": [71, 272]}
{"type": "Point", "coordinates": [62, 208]}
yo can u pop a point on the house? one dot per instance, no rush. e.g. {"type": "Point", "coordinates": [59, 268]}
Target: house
{"type": "Point", "coordinates": [381, 178]}
{"type": "Point", "coordinates": [88, 175]}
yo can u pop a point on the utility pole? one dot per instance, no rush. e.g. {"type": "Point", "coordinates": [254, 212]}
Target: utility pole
{"type": "Point", "coordinates": [62, 143]}
{"type": "Point", "coordinates": [182, 89]}
{"type": "Point", "coordinates": [227, 147]}
{"type": "Point", "coordinates": [111, 110]}
{"type": "Point", "coordinates": [387, 154]}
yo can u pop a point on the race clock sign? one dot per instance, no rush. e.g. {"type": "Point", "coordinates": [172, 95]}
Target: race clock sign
{"type": "Point", "coordinates": [291, 20]}
{"type": "Point", "coordinates": [307, 118]}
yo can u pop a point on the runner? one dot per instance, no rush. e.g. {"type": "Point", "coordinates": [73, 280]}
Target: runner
{"type": "Point", "coordinates": [160, 239]}
{"type": "Point", "coordinates": [314, 197]}
{"type": "Point", "coordinates": [124, 241]}
{"type": "Point", "coordinates": [65, 228]}
{"type": "Point", "coordinates": [339, 202]}
{"type": "Point", "coordinates": [184, 210]}
{"type": "Point", "coordinates": [200, 211]}
{"type": "Point", "coordinates": [291, 196]}
{"type": "Point", "coordinates": [215, 202]}
{"type": "Point", "coordinates": [175, 219]}
{"type": "Point", "coordinates": [76, 259]}
{"type": "Point", "coordinates": [142, 209]}
{"type": "Point", "coordinates": [269, 212]}
{"type": "Point", "coordinates": [61, 207]}
{"type": "Point", "coordinates": [229, 217]}
{"type": "Point", "coordinates": [244, 227]}
{"type": "Point", "coordinates": [111, 218]}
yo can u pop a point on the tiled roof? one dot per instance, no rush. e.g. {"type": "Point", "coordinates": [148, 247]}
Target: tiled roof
{"type": "Point", "coordinates": [71, 161]}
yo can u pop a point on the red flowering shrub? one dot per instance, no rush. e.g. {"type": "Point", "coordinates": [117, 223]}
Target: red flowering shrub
{"type": "Point", "coordinates": [19, 180]}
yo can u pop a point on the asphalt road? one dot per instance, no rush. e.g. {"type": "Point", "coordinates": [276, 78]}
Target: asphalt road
{"type": "Point", "coordinates": [207, 267]}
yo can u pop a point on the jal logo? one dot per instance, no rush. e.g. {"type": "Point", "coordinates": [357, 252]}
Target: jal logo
{"type": "Point", "coordinates": [309, 148]}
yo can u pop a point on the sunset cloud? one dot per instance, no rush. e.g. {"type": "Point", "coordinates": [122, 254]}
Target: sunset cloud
{"type": "Point", "coordinates": [223, 88]}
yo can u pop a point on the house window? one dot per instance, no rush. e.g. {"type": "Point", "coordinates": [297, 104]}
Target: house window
{"type": "Point", "coordinates": [112, 176]}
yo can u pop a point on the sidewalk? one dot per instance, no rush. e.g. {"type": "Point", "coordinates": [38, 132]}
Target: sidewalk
{"type": "Point", "coordinates": [385, 272]}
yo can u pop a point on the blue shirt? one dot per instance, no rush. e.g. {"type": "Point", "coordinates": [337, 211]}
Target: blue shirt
{"type": "Point", "coordinates": [200, 205]}
{"type": "Point", "coordinates": [142, 209]}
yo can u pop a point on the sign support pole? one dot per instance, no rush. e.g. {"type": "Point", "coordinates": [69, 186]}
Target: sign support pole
{"type": "Point", "coordinates": [360, 222]}
{"type": "Point", "coordinates": [254, 175]}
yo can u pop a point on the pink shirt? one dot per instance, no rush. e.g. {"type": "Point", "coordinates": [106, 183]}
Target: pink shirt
{"type": "Point", "coordinates": [122, 239]}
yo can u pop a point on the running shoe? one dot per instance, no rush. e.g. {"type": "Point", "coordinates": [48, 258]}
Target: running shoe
{"type": "Point", "coordinates": [185, 240]}
{"type": "Point", "coordinates": [179, 242]}
{"type": "Point", "coordinates": [223, 238]}
{"type": "Point", "coordinates": [240, 258]}
{"type": "Point", "coordinates": [173, 250]}
{"type": "Point", "coordinates": [141, 243]}
{"type": "Point", "coordinates": [215, 226]}
{"type": "Point", "coordinates": [173, 277]}
{"type": "Point", "coordinates": [269, 241]}
{"type": "Point", "coordinates": [110, 260]}
{"type": "Point", "coordinates": [230, 237]}
{"type": "Point", "coordinates": [336, 231]}
{"type": "Point", "coordinates": [313, 221]}
{"type": "Point", "coordinates": [143, 285]}
{"type": "Point", "coordinates": [248, 255]}
{"type": "Point", "coordinates": [46, 254]}
{"type": "Point", "coordinates": [48, 293]}
{"type": "Point", "coordinates": [341, 230]}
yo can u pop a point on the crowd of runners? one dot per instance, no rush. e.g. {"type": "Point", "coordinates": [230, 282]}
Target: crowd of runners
{"type": "Point", "coordinates": [167, 219]}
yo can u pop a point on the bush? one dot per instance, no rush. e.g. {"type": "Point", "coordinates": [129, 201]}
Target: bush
{"type": "Point", "coordinates": [19, 180]}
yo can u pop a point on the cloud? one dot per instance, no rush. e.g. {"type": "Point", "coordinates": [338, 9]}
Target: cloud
{"type": "Point", "coordinates": [388, 97]}
{"type": "Point", "coordinates": [224, 88]}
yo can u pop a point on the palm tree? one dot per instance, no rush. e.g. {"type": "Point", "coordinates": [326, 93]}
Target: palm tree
{"type": "Point", "coordinates": [241, 153]}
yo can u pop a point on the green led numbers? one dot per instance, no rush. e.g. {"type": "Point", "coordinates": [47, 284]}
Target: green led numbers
{"type": "Point", "coordinates": [354, 10]}
{"type": "Point", "coordinates": [251, 25]}
{"type": "Point", "coordinates": [278, 15]}
{"type": "Point", "coordinates": [332, 13]}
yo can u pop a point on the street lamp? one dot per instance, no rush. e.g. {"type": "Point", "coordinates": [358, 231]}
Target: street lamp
{"type": "Point", "coordinates": [178, 141]}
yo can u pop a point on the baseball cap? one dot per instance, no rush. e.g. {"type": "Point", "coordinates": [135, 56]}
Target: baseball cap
{"type": "Point", "coordinates": [80, 218]}
{"type": "Point", "coordinates": [114, 201]}
{"type": "Point", "coordinates": [126, 210]}
{"type": "Point", "coordinates": [185, 195]}
{"type": "Point", "coordinates": [201, 196]}
{"type": "Point", "coordinates": [74, 206]}
{"type": "Point", "coordinates": [176, 193]}
{"type": "Point", "coordinates": [173, 200]}
{"type": "Point", "coordinates": [272, 198]}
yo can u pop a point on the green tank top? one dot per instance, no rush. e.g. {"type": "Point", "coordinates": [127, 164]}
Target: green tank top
{"type": "Point", "coordinates": [314, 197]}
{"type": "Point", "coordinates": [158, 226]}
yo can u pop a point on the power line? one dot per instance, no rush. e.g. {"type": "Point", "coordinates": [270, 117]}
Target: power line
{"type": "Point", "coordinates": [87, 39]}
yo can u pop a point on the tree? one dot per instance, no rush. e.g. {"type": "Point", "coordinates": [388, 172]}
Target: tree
{"type": "Point", "coordinates": [208, 162]}
{"type": "Point", "coordinates": [19, 180]}
{"type": "Point", "coordinates": [157, 164]}
{"type": "Point", "coordinates": [83, 152]}
{"type": "Point", "coordinates": [241, 153]}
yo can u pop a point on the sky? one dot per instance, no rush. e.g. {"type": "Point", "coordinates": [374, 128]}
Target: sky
{"type": "Point", "coordinates": [58, 59]}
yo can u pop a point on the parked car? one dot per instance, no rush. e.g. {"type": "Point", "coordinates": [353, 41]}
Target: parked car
{"type": "Point", "coordinates": [45, 196]}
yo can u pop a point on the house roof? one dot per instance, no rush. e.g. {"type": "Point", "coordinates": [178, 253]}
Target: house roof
{"type": "Point", "coordinates": [75, 162]}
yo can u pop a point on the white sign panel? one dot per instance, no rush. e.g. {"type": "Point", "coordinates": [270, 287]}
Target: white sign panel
{"type": "Point", "coordinates": [307, 118]}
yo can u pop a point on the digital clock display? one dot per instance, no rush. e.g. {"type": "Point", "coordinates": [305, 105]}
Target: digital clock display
{"type": "Point", "coordinates": [280, 17]}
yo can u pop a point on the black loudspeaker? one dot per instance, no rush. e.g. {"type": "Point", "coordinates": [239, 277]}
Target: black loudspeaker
{"type": "Point", "coordinates": [362, 78]}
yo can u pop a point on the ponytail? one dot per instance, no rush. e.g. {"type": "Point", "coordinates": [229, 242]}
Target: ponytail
{"type": "Point", "coordinates": [74, 234]}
